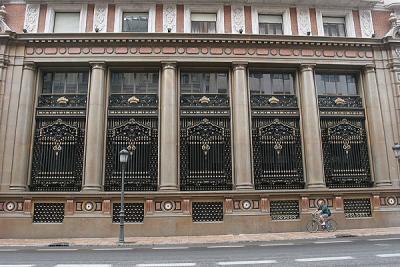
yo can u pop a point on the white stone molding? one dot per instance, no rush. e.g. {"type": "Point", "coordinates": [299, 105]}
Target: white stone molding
{"type": "Point", "coordinates": [3, 25]}
{"type": "Point", "coordinates": [238, 20]}
{"type": "Point", "coordinates": [346, 13]}
{"type": "Point", "coordinates": [169, 18]}
{"type": "Point", "coordinates": [367, 26]}
{"type": "Point", "coordinates": [303, 20]}
{"type": "Point", "coordinates": [31, 18]}
{"type": "Point", "coordinates": [52, 9]}
{"type": "Point", "coordinates": [150, 8]}
{"type": "Point", "coordinates": [100, 17]}
{"type": "Point", "coordinates": [218, 9]}
{"type": "Point", "coordinates": [285, 12]}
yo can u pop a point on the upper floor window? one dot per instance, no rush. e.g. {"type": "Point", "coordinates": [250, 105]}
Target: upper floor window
{"type": "Point", "coordinates": [135, 22]}
{"type": "Point", "coordinates": [334, 26]}
{"type": "Point", "coordinates": [66, 22]}
{"type": "Point", "coordinates": [204, 82]}
{"type": "Point", "coordinates": [204, 23]}
{"type": "Point", "coordinates": [271, 83]}
{"type": "Point", "coordinates": [65, 82]}
{"type": "Point", "coordinates": [336, 84]}
{"type": "Point", "coordinates": [270, 24]}
{"type": "Point", "coordinates": [134, 82]}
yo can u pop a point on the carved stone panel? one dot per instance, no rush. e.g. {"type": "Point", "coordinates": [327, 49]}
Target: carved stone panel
{"type": "Point", "coordinates": [100, 18]}
{"type": "Point", "coordinates": [303, 20]}
{"type": "Point", "coordinates": [31, 18]}
{"type": "Point", "coordinates": [237, 17]}
{"type": "Point", "coordinates": [367, 28]}
{"type": "Point", "coordinates": [169, 18]}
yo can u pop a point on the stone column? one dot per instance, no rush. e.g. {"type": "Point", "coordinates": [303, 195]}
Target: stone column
{"type": "Point", "coordinates": [311, 129]}
{"type": "Point", "coordinates": [241, 128]}
{"type": "Point", "coordinates": [169, 128]}
{"type": "Point", "coordinates": [95, 128]}
{"type": "Point", "coordinates": [376, 131]}
{"type": "Point", "coordinates": [23, 137]}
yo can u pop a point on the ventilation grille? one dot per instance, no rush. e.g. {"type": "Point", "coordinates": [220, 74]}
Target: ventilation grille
{"type": "Point", "coordinates": [356, 208]}
{"type": "Point", "coordinates": [207, 211]}
{"type": "Point", "coordinates": [285, 210]}
{"type": "Point", "coordinates": [134, 212]}
{"type": "Point", "coordinates": [48, 213]}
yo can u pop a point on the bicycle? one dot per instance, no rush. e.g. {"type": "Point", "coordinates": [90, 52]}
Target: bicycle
{"type": "Point", "coordinates": [315, 225]}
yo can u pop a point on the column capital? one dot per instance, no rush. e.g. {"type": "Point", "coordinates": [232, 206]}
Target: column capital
{"type": "Point", "coordinates": [307, 67]}
{"type": "Point", "coordinates": [29, 65]}
{"type": "Point", "coordinates": [369, 68]}
{"type": "Point", "coordinates": [239, 65]}
{"type": "Point", "coordinates": [98, 64]}
{"type": "Point", "coordinates": [168, 65]}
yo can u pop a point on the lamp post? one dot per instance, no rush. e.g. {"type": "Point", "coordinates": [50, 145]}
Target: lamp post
{"type": "Point", "coordinates": [123, 159]}
{"type": "Point", "coordinates": [396, 150]}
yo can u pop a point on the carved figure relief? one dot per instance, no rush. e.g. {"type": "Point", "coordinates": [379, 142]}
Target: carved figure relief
{"type": "Point", "coordinates": [238, 24]}
{"type": "Point", "coordinates": [100, 18]}
{"type": "Point", "coordinates": [169, 14]}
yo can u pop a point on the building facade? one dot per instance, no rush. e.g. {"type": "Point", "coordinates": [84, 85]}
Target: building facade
{"type": "Point", "coordinates": [237, 117]}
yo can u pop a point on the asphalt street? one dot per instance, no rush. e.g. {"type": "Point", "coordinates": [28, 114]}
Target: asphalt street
{"type": "Point", "coordinates": [366, 251]}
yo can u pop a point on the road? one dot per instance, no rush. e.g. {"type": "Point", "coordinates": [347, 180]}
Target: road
{"type": "Point", "coordinates": [378, 251]}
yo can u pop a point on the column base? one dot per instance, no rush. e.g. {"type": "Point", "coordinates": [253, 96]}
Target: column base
{"type": "Point", "coordinates": [245, 187]}
{"type": "Point", "coordinates": [385, 183]}
{"type": "Point", "coordinates": [91, 188]}
{"type": "Point", "coordinates": [20, 188]}
{"type": "Point", "coordinates": [169, 188]}
{"type": "Point", "coordinates": [316, 186]}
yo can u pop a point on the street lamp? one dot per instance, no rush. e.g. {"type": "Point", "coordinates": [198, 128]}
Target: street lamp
{"type": "Point", "coordinates": [123, 159]}
{"type": "Point", "coordinates": [396, 150]}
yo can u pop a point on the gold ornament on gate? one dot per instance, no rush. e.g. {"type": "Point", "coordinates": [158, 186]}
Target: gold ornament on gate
{"type": "Point", "coordinates": [62, 100]}
{"type": "Point", "coordinates": [133, 100]}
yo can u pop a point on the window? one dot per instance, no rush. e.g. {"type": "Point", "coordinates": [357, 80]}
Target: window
{"type": "Point", "coordinates": [66, 22]}
{"type": "Point", "coordinates": [65, 82]}
{"type": "Point", "coordinates": [271, 83]}
{"type": "Point", "coordinates": [134, 82]}
{"type": "Point", "coordinates": [334, 26]}
{"type": "Point", "coordinates": [270, 24]}
{"type": "Point", "coordinates": [204, 82]}
{"type": "Point", "coordinates": [135, 22]}
{"type": "Point", "coordinates": [336, 84]}
{"type": "Point", "coordinates": [204, 23]}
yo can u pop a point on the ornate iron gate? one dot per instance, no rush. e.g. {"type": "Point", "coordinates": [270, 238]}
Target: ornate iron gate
{"type": "Point", "coordinates": [57, 162]}
{"type": "Point", "coordinates": [133, 125]}
{"type": "Point", "coordinates": [277, 150]}
{"type": "Point", "coordinates": [140, 138]}
{"type": "Point", "coordinates": [344, 139]}
{"type": "Point", "coordinates": [205, 142]}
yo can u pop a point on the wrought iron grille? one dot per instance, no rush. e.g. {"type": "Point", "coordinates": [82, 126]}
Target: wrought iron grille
{"type": "Point", "coordinates": [258, 101]}
{"type": "Point", "coordinates": [205, 154]}
{"type": "Point", "coordinates": [284, 210]}
{"type": "Point", "coordinates": [48, 213]}
{"type": "Point", "coordinates": [134, 212]}
{"type": "Point", "coordinates": [62, 101]}
{"type": "Point", "coordinates": [140, 138]}
{"type": "Point", "coordinates": [58, 154]}
{"type": "Point", "coordinates": [355, 208]}
{"type": "Point", "coordinates": [207, 211]}
{"type": "Point", "coordinates": [277, 154]}
{"type": "Point", "coordinates": [345, 147]}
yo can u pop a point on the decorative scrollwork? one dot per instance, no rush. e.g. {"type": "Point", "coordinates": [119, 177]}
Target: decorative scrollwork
{"type": "Point", "coordinates": [204, 101]}
{"type": "Point", "coordinates": [346, 157]}
{"type": "Point", "coordinates": [138, 101]}
{"type": "Point", "coordinates": [62, 101]}
{"type": "Point", "coordinates": [340, 102]}
{"type": "Point", "coordinates": [273, 101]}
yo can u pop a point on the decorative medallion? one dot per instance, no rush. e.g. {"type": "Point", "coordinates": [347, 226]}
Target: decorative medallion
{"type": "Point", "coordinates": [88, 206]}
{"type": "Point", "coordinates": [391, 201]}
{"type": "Point", "coordinates": [246, 204]}
{"type": "Point", "coordinates": [10, 206]}
{"type": "Point", "coordinates": [168, 205]}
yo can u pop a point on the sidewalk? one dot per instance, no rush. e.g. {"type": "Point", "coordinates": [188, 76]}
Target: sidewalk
{"type": "Point", "coordinates": [211, 239]}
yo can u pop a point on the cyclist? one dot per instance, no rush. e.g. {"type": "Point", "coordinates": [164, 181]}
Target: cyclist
{"type": "Point", "coordinates": [323, 211]}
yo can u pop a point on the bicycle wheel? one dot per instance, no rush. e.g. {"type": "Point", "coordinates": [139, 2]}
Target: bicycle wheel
{"type": "Point", "coordinates": [312, 227]}
{"type": "Point", "coordinates": [331, 226]}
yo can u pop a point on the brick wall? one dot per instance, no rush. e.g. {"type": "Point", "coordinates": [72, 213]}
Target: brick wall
{"type": "Point", "coordinates": [381, 22]}
{"type": "Point", "coordinates": [15, 17]}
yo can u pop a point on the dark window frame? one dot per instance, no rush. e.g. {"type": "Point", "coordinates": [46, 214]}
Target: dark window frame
{"type": "Point", "coordinates": [123, 26]}
{"type": "Point", "coordinates": [82, 86]}
{"type": "Point", "coordinates": [202, 84]}
{"type": "Point", "coordinates": [151, 87]}
{"type": "Point", "coordinates": [351, 80]}
{"type": "Point", "coordinates": [290, 82]}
